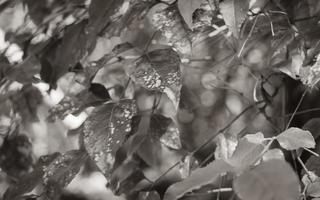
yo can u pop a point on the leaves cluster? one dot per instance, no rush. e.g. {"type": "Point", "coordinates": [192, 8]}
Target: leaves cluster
{"type": "Point", "coordinates": [144, 153]}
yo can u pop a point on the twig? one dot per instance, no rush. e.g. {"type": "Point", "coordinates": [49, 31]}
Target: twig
{"type": "Point", "coordinates": [297, 107]}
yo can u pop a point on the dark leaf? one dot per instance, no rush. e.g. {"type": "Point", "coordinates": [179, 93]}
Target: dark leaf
{"type": "Point", "coordinates": [159, 70]}
{"type": "Point", "coordinates": [16, 155]}
{"type": "Point", "coordinates": [24, 71]}
{"type": "Point", "coordinates": [313, 164]}
{"type": "Point", "coordinates": [105, 131]}
{"type": "Point", "coordinates": [197, 179]}
{"type": "Point", "coordinates": [234, 13]}
{"type": "Point", "coordinates": [65, 53]}
{"type": "Point", "coordinates": [29, 181]}
{"type": "Point", "coordinates": [26, 102]}
{"type": "Point", "coordinates": [271, 180]}
{"type": "Point", "coordinates": [54, 172]}
{"type": "Point", "coordinates": [313, 125]}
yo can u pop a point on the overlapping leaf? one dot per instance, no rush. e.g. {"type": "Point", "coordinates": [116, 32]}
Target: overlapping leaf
{"type": "Point", "coordinates": [271, 180]}
{"type": "Point", "coordinates": [105, 131]}
{"type": "Point", "coordinates": [197, 179]}
{"type": "Point", "coordinates": [159, 70]}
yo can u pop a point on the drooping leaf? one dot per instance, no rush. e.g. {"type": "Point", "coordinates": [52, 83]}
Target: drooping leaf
{"type": "Point", "coordinates": [170, 23]}
{"type": "Point", "coordinates": [159, 70]}
{"type": "Point", "coordinates": [187, 7]}
{"type": "Point", "coordinates": [197, 179]}
{"type": "Point", "coordinates": [295, 138]}
{"type": "Point", "coordinates": [105, 131]}
{"type": "Point", "coordinates": [234, 13]}
{"type": "Point", "coordinates": [65, 53]}
{"type": "Point", "coordinates": [271, 180]}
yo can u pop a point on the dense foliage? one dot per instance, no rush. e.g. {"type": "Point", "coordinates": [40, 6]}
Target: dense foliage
{"type": "Point", "coordinates": [171, 99]}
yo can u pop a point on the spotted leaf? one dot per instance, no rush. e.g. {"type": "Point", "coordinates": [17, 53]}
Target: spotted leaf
{"type": "Point", "coordinates": [53, 171]}
{"type": "Point", "coordinates": [170, 23]}
{"type": "Point", "coordinates": [105, 131]}
{"type": "Point", "coordinates": [159, 70]}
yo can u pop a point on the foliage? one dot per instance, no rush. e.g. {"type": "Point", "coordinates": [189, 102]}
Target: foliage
{"type": "Point", "coordinates": [171, 99]}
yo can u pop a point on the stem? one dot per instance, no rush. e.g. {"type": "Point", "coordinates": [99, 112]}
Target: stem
{"type": "Point", "coordinates": [297, 107]}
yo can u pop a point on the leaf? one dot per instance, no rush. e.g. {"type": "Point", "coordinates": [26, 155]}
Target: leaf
{"type": "Point", "coordinates": [234, 13]}
{"type": "Point", "coordinates": [198, 178]}
{"type": "Point", "coordinates": [295, 138]}
{"type": "Point", "coordinates": [65, 53]}
{"type": "Point", "coordinates": [187, 8]}
{"type": "Point", "coordinates": [271, 180]}
{"type": "Point", "coordinates": [245, 155]}
{"type": "Point", "coordinates": [159, 70]}
{"type": "Point", "coordinates": [60, 172]}
{"type": "Point", "coordinates": [24, 71]}
{"type": "Point", "coordinates": [105, 131]}
{"type": "Point", "coordinates": [170, 23]}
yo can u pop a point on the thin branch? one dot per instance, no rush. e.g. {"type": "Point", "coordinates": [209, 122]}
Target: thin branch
{"type": "Point", "coordinates": [297, 107]}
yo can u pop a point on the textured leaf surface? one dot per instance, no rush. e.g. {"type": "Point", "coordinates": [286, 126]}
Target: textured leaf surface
{"type": "Point", "coordinates": [271, 180]}
{"type": "Point", "coordinates": [234, 13]}
{"type": "Point", "coordinates": [198, 178]}
{"type": "Point", "coordinates": [159, 70]}
{"type": "Point", "coordinates": [295, 138]}
{"type": "Point", "coordinates": [54, 171]}
{"type": "Point", "coordinates": [105, 131]}
{"type": "Point", "coordinates": [170, 23]}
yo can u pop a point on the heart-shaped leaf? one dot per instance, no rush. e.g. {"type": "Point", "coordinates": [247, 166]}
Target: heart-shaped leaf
{"type": "Point", "coordinates": [105, 131]}
{"type": "Point", "coordinates": [159, 70]}
{"type": "Point", "coordinates": [295, 138]}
